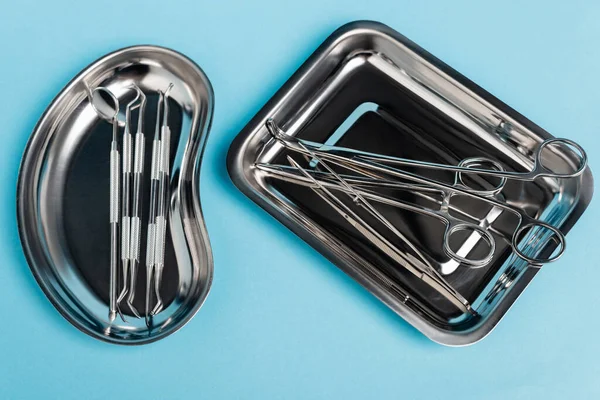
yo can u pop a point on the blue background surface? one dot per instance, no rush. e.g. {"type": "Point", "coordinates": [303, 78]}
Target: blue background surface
{"type": "Point", "coordinates": [281, 321]}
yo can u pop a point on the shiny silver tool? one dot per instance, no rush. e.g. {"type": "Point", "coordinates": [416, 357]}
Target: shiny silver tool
{"type": "Point", "coordinates": [372, 165]}
{"type": "Point", "coordinates": [130, 220]}
{"type": "Point", "coordinates": [355, 156]}
{"type": "Point", "coordinates": [162, 214]}
{"type": "Point", "coordinates": [538, 171]}
{"type": "Point", "coordinates": [423, 271]}
{"type": "Point", "coordinates": [153, 210]}
{"type": "Point", "coordinates": [159, 205]}
{"type": "Point", "coordinates": [136, 218]}
{"type": "Point", "coordinates": [361, 185]}
{"type": "Point", "coordinates": [100, 98]}
{"type": "Point", "coordinates": [125, 203]}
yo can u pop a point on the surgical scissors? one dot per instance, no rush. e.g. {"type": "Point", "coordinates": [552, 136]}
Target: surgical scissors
{"type": "Point", "coordinates": [423, 271]}
{"type": "Point", "coordinates": [348, 159]}
{"type": "Point", "coordinates": [538, 170]}
{"type": "Point", "coordinates": [443, 213]}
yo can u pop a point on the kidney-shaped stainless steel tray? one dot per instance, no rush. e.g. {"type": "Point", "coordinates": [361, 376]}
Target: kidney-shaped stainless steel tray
{"type": "Point", "coordinates": [369, 88]}
{"type": "Point", "coordinates": [63, 194]}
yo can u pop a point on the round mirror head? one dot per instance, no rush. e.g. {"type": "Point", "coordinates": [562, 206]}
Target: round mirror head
{"type": "Point", "coordinates": [105, 103]}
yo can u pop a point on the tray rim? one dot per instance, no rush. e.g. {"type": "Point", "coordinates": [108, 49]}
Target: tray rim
{"type": "Point", "coordinates": [241, 181]}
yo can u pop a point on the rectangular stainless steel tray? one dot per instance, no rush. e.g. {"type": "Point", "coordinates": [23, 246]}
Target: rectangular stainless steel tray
{"type": "Point", "coordinates": [369, 88]}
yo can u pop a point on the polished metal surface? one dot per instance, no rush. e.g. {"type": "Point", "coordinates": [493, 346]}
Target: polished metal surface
{"type": "Point", "coordinates": [63, 195]}
{"type": "Point", "coordinates": [369, 89]}
{"type": "Point", "coordinates": [355, 161]}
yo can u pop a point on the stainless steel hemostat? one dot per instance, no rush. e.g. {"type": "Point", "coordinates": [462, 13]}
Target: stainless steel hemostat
{"type": "Point", "coordinates": [434, 195]}
{"type": "Point", "coordinates": [94, 202]}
